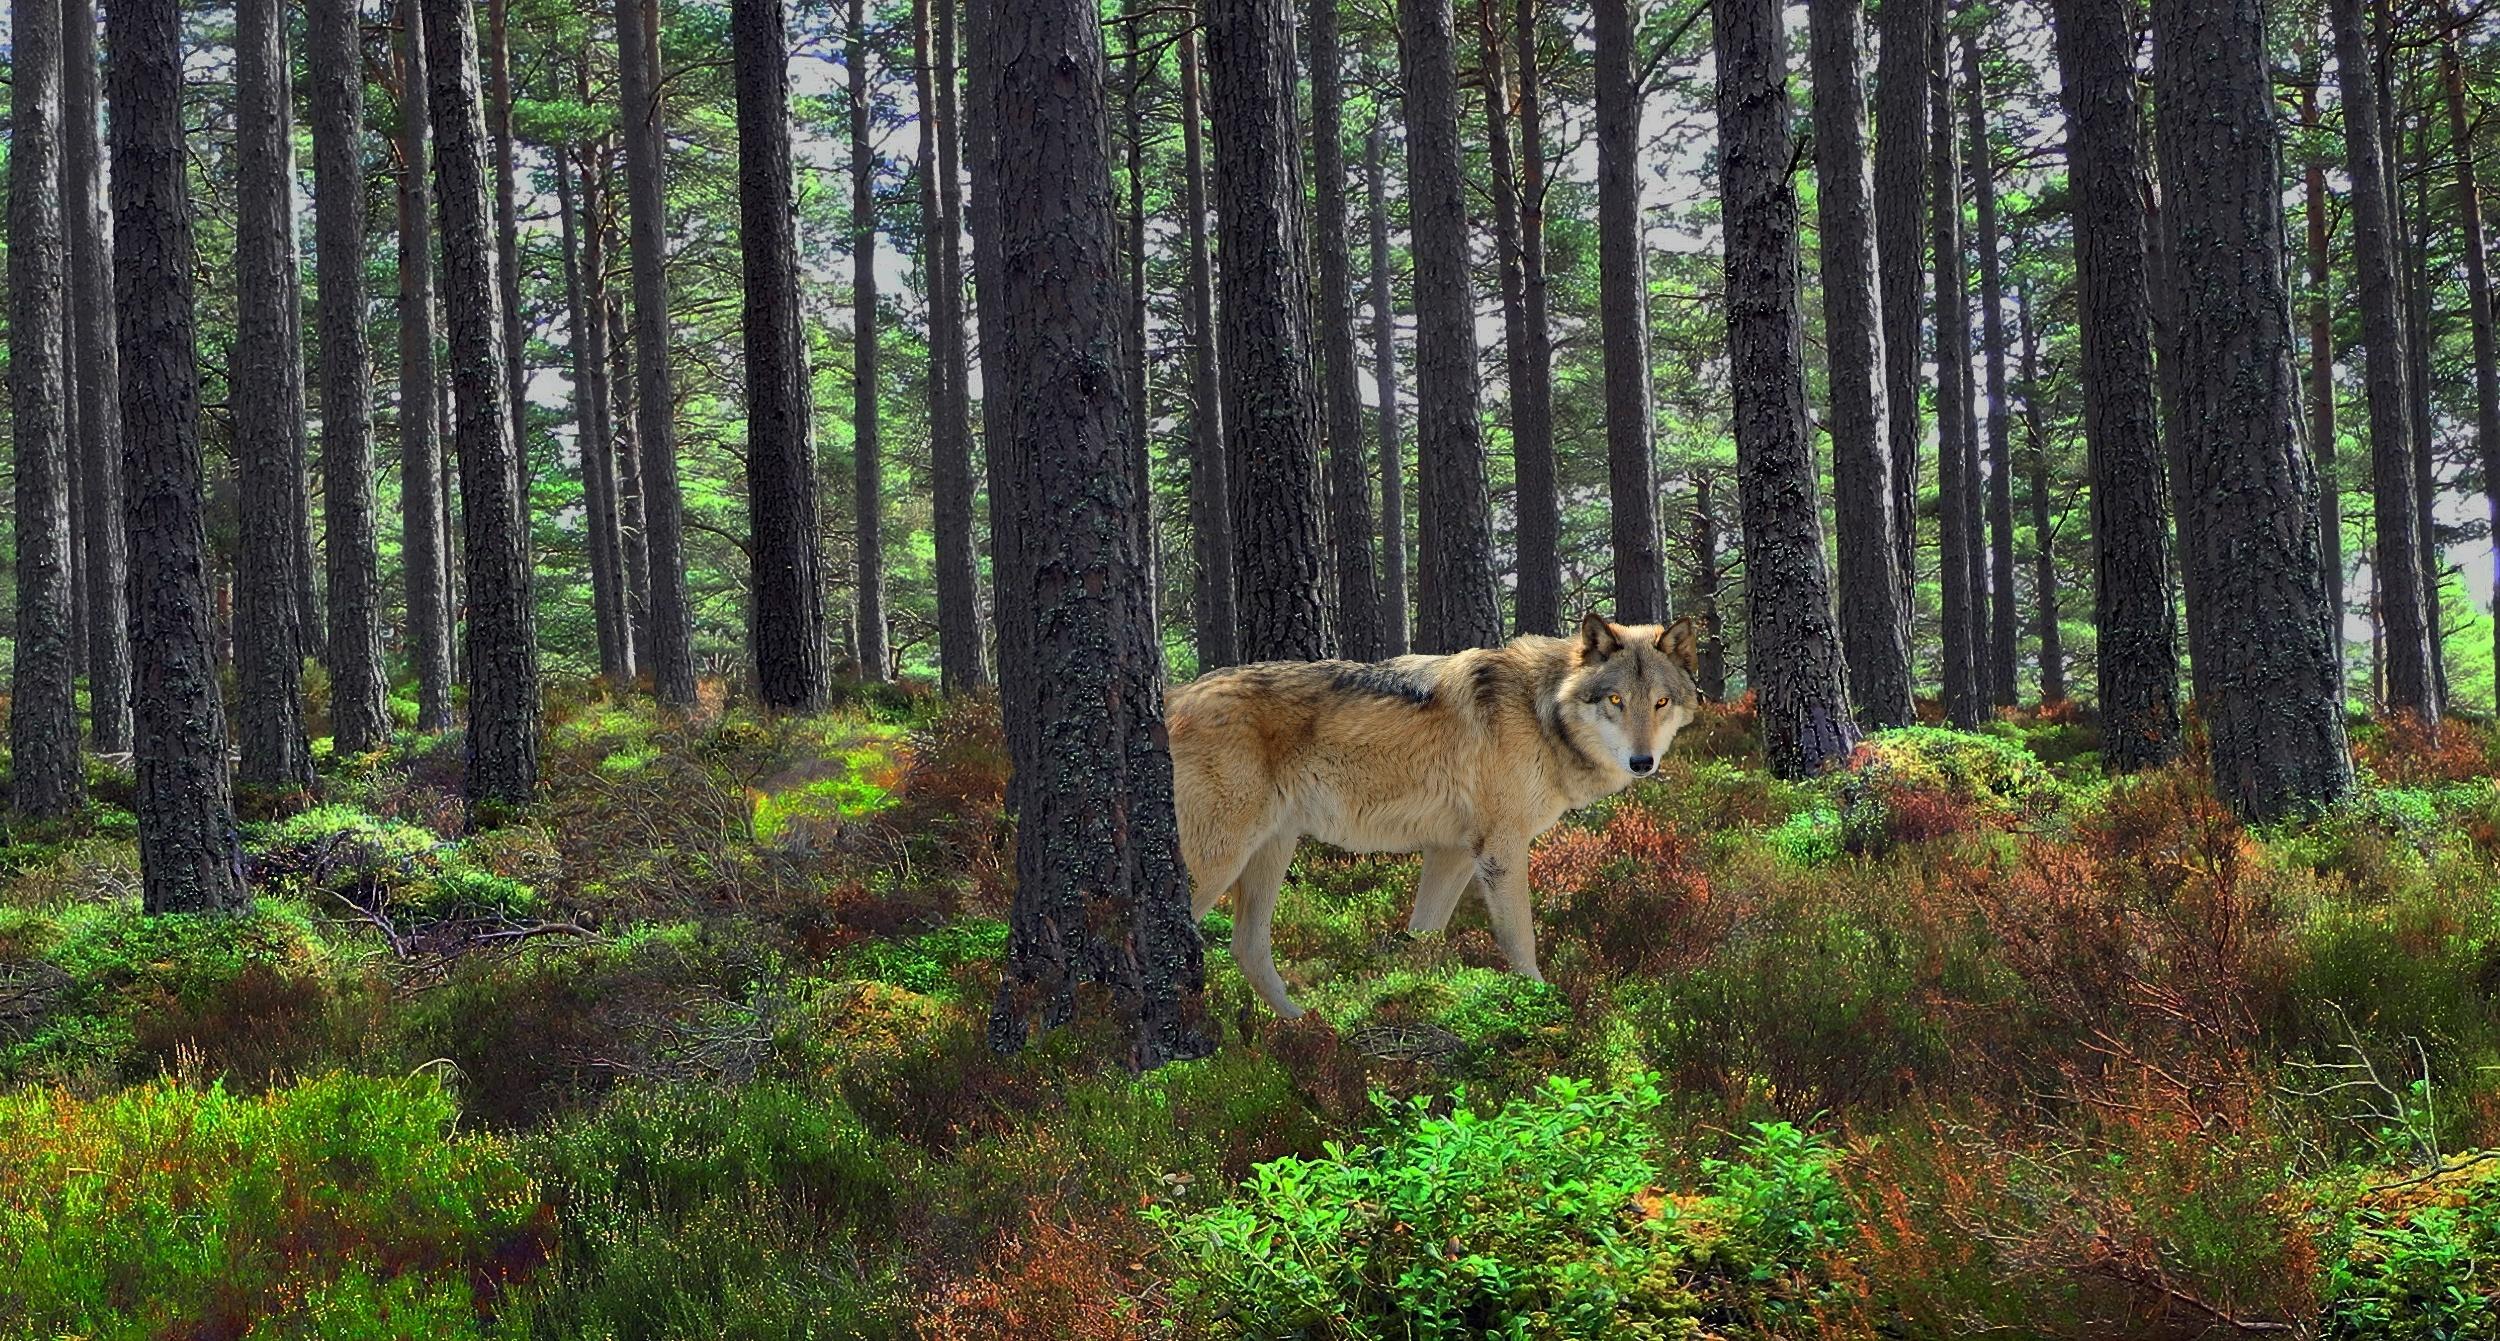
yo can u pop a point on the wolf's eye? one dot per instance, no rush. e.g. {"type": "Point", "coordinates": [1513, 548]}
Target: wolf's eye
{"type": "Point", "coordinates": [1662, 705]}
{"type": "Point", "coordinates": [1615, 699]}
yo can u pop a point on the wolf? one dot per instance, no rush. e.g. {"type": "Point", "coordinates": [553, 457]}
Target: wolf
{"type": "Point", "coordinates": [1464, 758]}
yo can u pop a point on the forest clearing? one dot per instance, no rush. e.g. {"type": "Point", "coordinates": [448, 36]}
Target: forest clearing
{"type": "Point", "coordinates": [1831, 670]}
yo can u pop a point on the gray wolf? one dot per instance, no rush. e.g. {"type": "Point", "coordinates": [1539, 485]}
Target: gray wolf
{"type": "Point", "coordinates": [1464, 758]}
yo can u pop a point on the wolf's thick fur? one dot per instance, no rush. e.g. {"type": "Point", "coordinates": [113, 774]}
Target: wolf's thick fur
{"type": "Point", "coordinates": [1464, 758]}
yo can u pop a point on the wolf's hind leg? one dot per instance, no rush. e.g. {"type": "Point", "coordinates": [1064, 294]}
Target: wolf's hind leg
{"type": "Point", "coordinates": [1254, 912]}
{"type": "Point", "coordinates": [1211, 877]}
{"type": "Point", "coordinates": [1446, 874]}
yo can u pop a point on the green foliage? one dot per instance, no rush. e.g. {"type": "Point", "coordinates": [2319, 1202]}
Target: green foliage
{"type": "Point", "coordinates": [926, 963]}
{"type": "Point", "coordinates": [689, 1211]}
{"type": "Point", "coordinates": [2420, 1260]}
{"type": "Point", "coordinates": [344, 1209]}
{"type": "Point", "coordinates": [1540, 1219]}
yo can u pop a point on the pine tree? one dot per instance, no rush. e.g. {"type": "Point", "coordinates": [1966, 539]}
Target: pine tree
{"type": "Point", "coordinates": [1623, 294]}
{"type": "Point", "coordinates": [668, 645]}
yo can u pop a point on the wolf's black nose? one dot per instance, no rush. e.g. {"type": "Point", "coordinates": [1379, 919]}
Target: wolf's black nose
{"type": "Point", "coordinates": [1642, 764]}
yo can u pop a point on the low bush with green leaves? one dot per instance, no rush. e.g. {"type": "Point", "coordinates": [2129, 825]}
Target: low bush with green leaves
{"type": "Point", "coordinates": [1543, 1218]}
{"type": "Point", "coordinates": [2420, 1258]}
{"type": "Point", "coordinates": [345, 1208]}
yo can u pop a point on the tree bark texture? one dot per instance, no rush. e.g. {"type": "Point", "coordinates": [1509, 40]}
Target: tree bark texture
{"type": "Point", "coordinates": [960, 664]}
{"type": "Point", "coordinates": [1872, 622]}
{"type": "Point", "coordinates": [2321, 405]}
{"type": "Point", "coordinates": [1215, 610]}
{"type": "Point", "coordinates": [47, 772]}
{"type": "Point", "coordinates": [2477, 274]}
{"type": "Point", "coordinates": [1793, 652]}
{"type": "Point", "coordinates": [2273, 710]}
{"type": "Point", "coordinates": [1100, 893]}
{"type": "Point", "coordinates": [2044, 594]}
{"type": "Point", "coordinates": [1396, 634]}
{"type": "Point", "coordinates": [1349, 470]}
{"type": "Point", "coordinates": [1536, 512]}
{"type": "Point", "coordinates": [1903, 54]}
{"type": "Point", "coordinates": [2132, 607]}
{"type": "Point", "coordinates": [1623, 297]}
{"type": "Point", "coordinates": [593, 430]}
{"type": "Point", "coordinates": [1271, 410]}
{"type": "Point", "coordinates": [867, 450]}
{"type": "Point", "coordinates": [104, 545]}
{"type": "Point", "coordinates": [1965, 620]}
{"type": "Point", "coordinates": [189, 859]}
{"type": "Point", "coordinates": [424, 541]}
{"type": "Point", "coordinates": [2000, 489]}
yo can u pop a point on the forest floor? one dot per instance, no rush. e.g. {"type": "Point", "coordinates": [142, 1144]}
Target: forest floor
{"type": "Point", "coordinates": [1968, 1039]}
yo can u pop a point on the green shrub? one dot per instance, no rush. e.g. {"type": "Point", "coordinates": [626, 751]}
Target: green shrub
{"type": "Point", "coordinates": [926, 963]}
{"type": "Point", "coordinates": [690, 1211]}
{"type": "Point", "coordinates": [344, 1209]}
{"type": "Point", "coordinates": [2421, 1260]}
{"type": "Point", "coordinates": [1539, 1220]}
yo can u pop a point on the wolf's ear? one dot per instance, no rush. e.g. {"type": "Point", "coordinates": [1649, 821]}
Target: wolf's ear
{"type": "Point", "coordinates": [1681, 641]}
{"type": "Point", "coordinates": [1598, 639]}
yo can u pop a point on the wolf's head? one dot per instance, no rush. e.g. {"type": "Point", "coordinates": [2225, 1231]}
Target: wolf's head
{"type": "Point", "coordinates": [1629, 691]}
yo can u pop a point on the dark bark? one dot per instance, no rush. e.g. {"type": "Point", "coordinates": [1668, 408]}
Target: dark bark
{"type": "Point", "coordinates": [668, 646]}
{"type": "Point", "coordinates": [424, 542]}
{"type": "Point", "coordinates": [1271, 409]}
{"type": "Point", "coordinates": [1957, 488]}
{"type": "Point", "coordinates": [1460, 604]}
{"type": "Point", "coordinates": [1349, 435]}
{"type": "Point", "coordinates": [1872, 622]}
{"type": "Point", "coordinates": [501, 657]}
{"type": "Point", "coordinates": [1100, 896]}
{"type": "Point", "coordinates": [1532, 396]}
{"type": "Point", "coordinates": [629, 508]}
{"type": "Point", "coordinates": [1214, 608]}
{"type": "Point", "coordinates": [788, 587]}
{"type": "Point", "coordinates": [2396, 559]}
{"type": "Point", "coordinates": [867, 452]}
{"type": "Point", "coordinates": [2044, 603]}
{"type": "Point", "coordinates": [1793, 654]}
{"type": "Point", "coordinates": [359, 691]}
{"type": "Point", "coordinates": [2321, 404]}
{"type": "Point", "coordinates": [104, 551]}
{"type": "Point", "coordinates": [1623, 298]}
{"type": "Point", "coordinates": [1711, 676]}
{"type": "Point", "coordinates": [960, 666]}
{"type": "Point", "coordinates": [593, 431]}
{"type": "Point", "coordinates": [1133, 249]}
{"type": "Point", "coordinates": [2276, 724]}
{"type": "Point", "coordinates": [47, 775]}
{"type": "Point", "coordinates": [2477, 274]}
{"type": "Point", "coordinates": [189, 860]}
{"type": "Point", "coordinates": [1903, 54]}
{"type": "Point", "coordinates": [508, 254]}
{"type": "Point", "coordinates": [268, 395]}
{"type": "Point", "coordinates": [2417, 281]}
{"type": "Point", "coordinates": [2000, 492]}
{"type": "Point", "coordinates": [1395, 632]}
{"type": "Point", "coordinates": [1536, 516]}
{"type": "Point", "coordinates": [2132, 608]}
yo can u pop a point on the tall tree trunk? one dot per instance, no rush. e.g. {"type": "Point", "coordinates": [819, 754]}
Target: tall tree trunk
{"type": "Point", "coordinates": [1711, 677]}
{"type": "Point", "coordinates": [188, 858]}
{"type": "Point", "coordinates": [960, 666]}
{"type": "Point", "coordinates": [2322, 361]}
{"type": "Point", "coordinates": [2396, 560]}
{"type": "Point", "coordinates": [629, 507]}
{"type": "Point", "coordinates": [508, 254]}
{"type": "Point", "coordinates": [1793, 655]}
{"type": "Point", "coordinates": [360, 718]}
{"type": "Point", "coordinates": [867, 452]}
{"type": "Point", "coordinates": [1622, 304]}
{"type": "Point", "coordinates": [1395, 633]}
{"type": "Point", "coordinates": [593, 432]}
{"type": "Point", "coordinates": [1461, 607]}
{"type": "Point", "coordinates": [1957, 491]}
{"type": "Point", "coordinates": [1905, 33]}
{"type": "Point", "coordinates": [1095, 901]}
{"type": "Point", "coordinates": [2132, 608]}
{"type": "Point", "coordinates": [98, 446]}
{"type": "Point", "coordinates": [1872, 624]}
{"type": "Point", "coordinates": [668, 646]}
{"type": "Point", "coordinates": [2276, 724]}
{"type": "Point", "coordinates": [1214, 608]}
{"type": "Point", "coordinates": [1532, 397]}
{"type": "Point", "coordinates": [1271, 414]}
{"type": "Point", "coordinates": [2477, 271]}
{"type": "Point", "coordinates": [1536, 529]}
{"type": "Point", "coordinates": [268, 397]}
{"type": "Point", "coordinates": [2044, 549]}
{"type": "Point", "coordinates": [75, 491]}
{"type": "Point", "coordinates": [1349, 474]}
{"type": "Point", "coordinates": [47, 776]}
{"type": "Point", "coordinates": [424, 541]}
{"type": "Point", "coordinates": [2000, 495]}
{"type": "Point", "coordinates": [502, 652]}
{"type": "Point", "coordinates": [781, 440]}
{"type": "Point", "coordinates": [1133, 248]}
{"type": "Point", "coordinates": [2418, 346]}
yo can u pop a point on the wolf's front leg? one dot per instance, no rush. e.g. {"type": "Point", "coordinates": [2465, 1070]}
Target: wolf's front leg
{"type": "Point", "coordinates": [1446, 873]}
{"type": "Point", "coordinates": [1503, 867]}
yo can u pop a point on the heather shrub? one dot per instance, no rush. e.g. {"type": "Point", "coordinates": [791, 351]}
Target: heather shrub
{"type": "Point", "coordinates": [1919, 783]}
{"type": "Point", "coordinates": [345, 1208]}
{"type": "Point", "coordinates": [1634, 890]}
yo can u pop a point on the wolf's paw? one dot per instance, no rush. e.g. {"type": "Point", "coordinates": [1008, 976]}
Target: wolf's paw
{"type": "Point", "coordinates": [1394, 941]}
